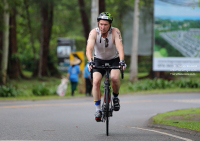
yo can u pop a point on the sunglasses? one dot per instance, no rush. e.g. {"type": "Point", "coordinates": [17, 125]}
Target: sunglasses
{"type": "Point", "coordinates": [106, 42]}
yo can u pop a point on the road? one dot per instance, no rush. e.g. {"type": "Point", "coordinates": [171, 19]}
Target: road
{"type": "Point", "coordinates": [72, 119]}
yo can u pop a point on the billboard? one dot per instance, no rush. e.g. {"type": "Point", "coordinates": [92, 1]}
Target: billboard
{"type": "Point", "coordinates": [63, 53]}
{"type": "Point", "coordinates": [177, 35]}
{"type": "Point", "coordinates": [64, 48]}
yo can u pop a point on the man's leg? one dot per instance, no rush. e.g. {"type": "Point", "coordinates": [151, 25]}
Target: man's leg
{"type": "Point", "coordinates": [115, 77]}
{"type": "Point", "coordinates": [97, 77]}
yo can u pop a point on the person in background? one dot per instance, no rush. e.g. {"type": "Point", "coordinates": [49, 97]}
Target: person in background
{"type": "Point", "coordinates": [88, 80]}
{"type": "Point", "coordinates": [73, 74]}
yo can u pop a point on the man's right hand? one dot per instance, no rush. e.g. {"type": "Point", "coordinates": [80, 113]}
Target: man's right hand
{"type": "Point", "coordinates": [122, 64]}
{"type": "Point", "coordinates": [91, 64]}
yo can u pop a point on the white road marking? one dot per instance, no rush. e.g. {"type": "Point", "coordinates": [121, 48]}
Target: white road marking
{"type": "Point", "coordinates": [178, 137]}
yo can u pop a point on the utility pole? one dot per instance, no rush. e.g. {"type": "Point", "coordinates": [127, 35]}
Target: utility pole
{"type": "Point", "coordinates": [94, 13]}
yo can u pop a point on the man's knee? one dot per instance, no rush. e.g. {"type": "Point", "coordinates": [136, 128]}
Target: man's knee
{"type": "Point", "coordinates": [96, 83]}
{"type": "Point", "coordinates": [115, 79]}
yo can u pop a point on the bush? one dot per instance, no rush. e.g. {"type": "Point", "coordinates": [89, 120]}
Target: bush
{"type": "Point", "coordinates": [8, 91]}
{"type": "Point", "coordinates": [42, 90]}
{"type": "Point", "coordinates": [187, 83]}
{"type": "Point", "coordinates": [149, 84]}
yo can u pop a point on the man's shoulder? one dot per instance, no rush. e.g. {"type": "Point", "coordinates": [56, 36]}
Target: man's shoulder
{"type": "Point", "coordinates": [94, 30]}
{"type": "Point", "coordinates": [114, 29]}
{"type": "Point", "coordinates": [115, 32]}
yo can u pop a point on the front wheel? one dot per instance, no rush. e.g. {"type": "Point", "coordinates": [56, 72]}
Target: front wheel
{"type": "Point", "coordinates": [107, 113]}
{"type": "Point", "coordinates": [107, 126]}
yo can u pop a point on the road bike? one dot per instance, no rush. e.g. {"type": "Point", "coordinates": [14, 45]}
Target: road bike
{"type": "Point", "coordinates": [107, 105]}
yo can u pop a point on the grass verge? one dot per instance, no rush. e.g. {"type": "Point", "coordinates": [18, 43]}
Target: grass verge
{"type": "Point", "coordinates": [184, 118]}
{"type": "Point", "coordinates": [144, 86]}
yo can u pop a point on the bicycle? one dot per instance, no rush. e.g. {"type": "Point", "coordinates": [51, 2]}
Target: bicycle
{"type": "Point", "coordinates": [108, 109]}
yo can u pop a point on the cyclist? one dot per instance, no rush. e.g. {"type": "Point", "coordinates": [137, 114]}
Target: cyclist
{"type": "Point", "coordinates": [106, 42]}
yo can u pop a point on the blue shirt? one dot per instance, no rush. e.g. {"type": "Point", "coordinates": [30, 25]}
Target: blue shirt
{"type": "Point", "coordinates": [74, 71]}
{"type": "Point", "coordinates": [86, 71]}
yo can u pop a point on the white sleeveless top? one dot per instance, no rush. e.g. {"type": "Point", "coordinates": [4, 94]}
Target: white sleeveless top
{"type": "Point", "coordinates": [102, 52]}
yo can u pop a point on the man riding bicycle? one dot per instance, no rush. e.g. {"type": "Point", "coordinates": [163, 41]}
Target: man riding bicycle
{"type": "Point", "coordinates": [106, 41]}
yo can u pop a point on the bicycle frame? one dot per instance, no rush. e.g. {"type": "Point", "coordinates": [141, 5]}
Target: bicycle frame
{"type": "Point", "coordinates": [107, 112]}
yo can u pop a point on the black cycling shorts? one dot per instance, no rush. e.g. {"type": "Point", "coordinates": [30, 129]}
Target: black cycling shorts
{"type": "Point", "coordinates": [99, 62]}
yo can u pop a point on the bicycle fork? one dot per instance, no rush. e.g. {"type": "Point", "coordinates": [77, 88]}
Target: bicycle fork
{"type": "Point", "coordinates": [107, 92]}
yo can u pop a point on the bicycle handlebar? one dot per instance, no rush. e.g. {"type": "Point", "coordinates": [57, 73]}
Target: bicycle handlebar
{"type": "Point", "coordinates": [104, 67]}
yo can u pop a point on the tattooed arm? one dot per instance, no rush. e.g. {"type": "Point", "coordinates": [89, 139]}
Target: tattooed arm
{"type": "Point", "coordinates": [118, 43]}
{"type": "Point", "coordinates": [90, 44]}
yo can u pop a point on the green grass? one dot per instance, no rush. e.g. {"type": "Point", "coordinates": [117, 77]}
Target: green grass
{"type": "Point", "coordinates": [141, 74]}
{"type": "Point", "coordinates": [27, 73]}
{"type": "Point", "coordinates": [185, 118]}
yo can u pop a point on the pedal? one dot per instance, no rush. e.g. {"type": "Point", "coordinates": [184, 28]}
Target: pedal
{"type": "Point", "coordinates": [98, 119]}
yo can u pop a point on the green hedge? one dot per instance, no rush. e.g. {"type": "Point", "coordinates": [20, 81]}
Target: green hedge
{"type": "Point", "coordinates": [149, 84]}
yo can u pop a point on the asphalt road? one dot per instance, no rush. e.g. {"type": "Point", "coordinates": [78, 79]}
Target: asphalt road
{"type": "Point", "coordinates": [73, 119]}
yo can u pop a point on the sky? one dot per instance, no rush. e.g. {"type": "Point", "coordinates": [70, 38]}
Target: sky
{"type": "Point", "coordinates": [170, 10]}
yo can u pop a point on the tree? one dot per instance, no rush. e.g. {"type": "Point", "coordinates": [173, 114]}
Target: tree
{"type": "Point", "coordinates": [94, 13]}
{"type": "Point", "coordinates": [134, 56]}
{"type": "Point", "coordinates": [26, 4]}
{"type": "Point", "coordinates": [14, 65]}
{"type": "Point", "coordinates": [1, 33]}
{"type": "Point", "coordinates": [47, 23]}
{"type": "Point", "coordinates": [4, 63]}
{"type": "Point", "coordinates": [84, 17]}
{"type": "Point", "coordinates": [102, 6]}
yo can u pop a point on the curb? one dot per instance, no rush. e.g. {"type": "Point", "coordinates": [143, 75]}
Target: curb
{"type": "Point", "coordinates": [172, 128]}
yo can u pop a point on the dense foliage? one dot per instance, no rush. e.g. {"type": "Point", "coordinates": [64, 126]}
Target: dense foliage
{"type": "Point", "coordinates": [42, 90]}
{"type": "Point", "coordinates": [66, 23]}
{"type": "Point", "coordinates": [9, 91]}
{"type": "Point", "coordinates": [149, 84]}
